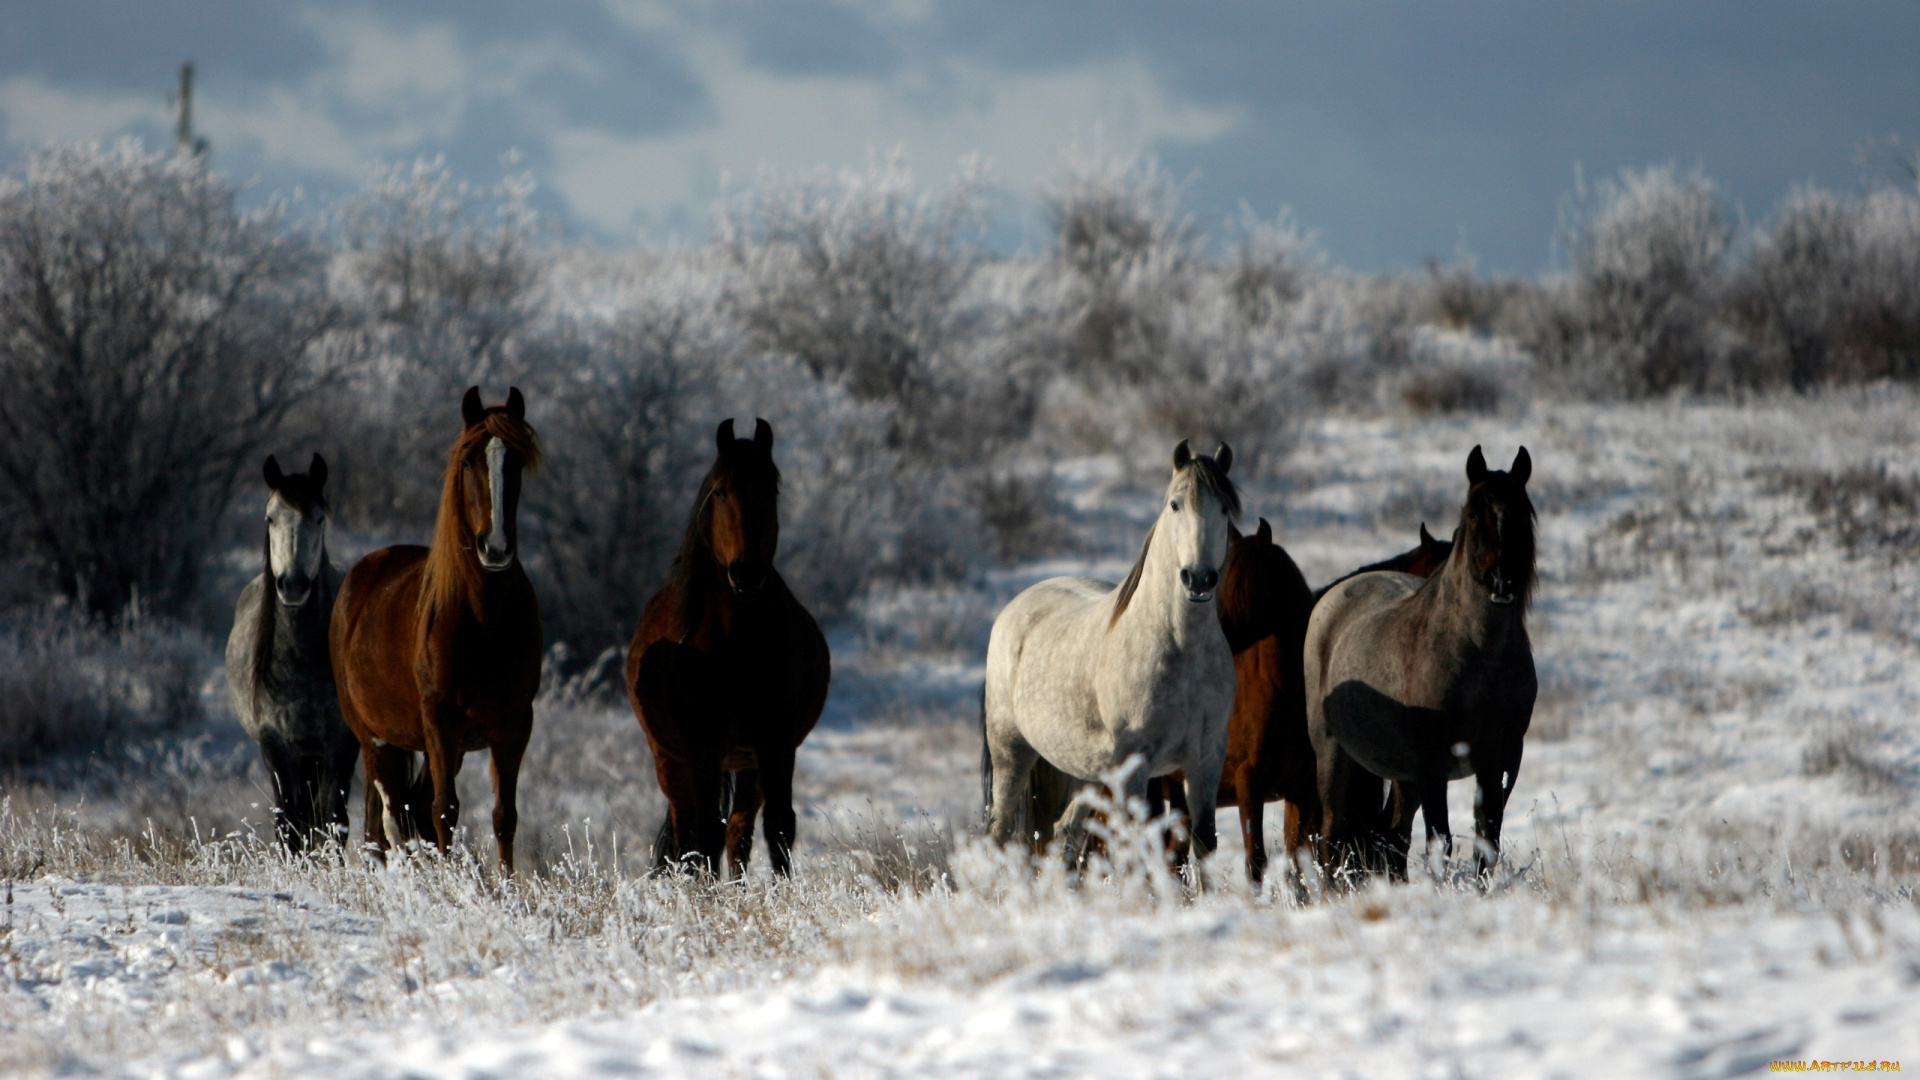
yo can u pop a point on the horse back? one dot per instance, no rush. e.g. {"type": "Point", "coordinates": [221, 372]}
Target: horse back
{"type": "Point", "coordinates": [374, 639]}
{"type": "Point", "coordinates": [241, 643]}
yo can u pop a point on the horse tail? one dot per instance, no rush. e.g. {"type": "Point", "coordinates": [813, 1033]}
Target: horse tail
{"type": "Point", "coordinates": [986, 761]}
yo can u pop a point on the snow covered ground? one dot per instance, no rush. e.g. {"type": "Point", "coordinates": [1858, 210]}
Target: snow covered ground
{"type": "Point", "coordinates": [1713, 844]}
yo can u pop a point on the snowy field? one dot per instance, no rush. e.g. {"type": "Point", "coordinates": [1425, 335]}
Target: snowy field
{"type": "Point", "coordinates": [1711, 855]}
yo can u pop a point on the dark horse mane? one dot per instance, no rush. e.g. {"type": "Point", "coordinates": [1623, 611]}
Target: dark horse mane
{"type": "Point", "coordinates": [1475, 518]}
{"type": "Point", "coordinates": [299, 489]}
{"type": "Point", "coordinates": [694, 568]}
{"type": "Point", "coordinates": [1407, 562]}
{"type": "Point", "coordinates": [1200, 472]}
{"type": "Point", "coordinates": [447, 572]}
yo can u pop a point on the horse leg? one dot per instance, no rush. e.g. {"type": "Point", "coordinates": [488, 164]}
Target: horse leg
{"type": "Point", "coordinates": [388, 769]}
{"type": "Point", "coordinates": [443, 765]}
{"type": "Point", "coordinates": [1251, 796]}
{"type": "Point", "coordinates": [1180, 844]}
{"type": "Point", "coordinates": [777, 820]}
{"type": "Point", "coordinates": [1203, 798]}
{"type": "Point", "coordinates": [1013, 762]}
{"type": "Point", "coordinates": [1433, 802]}
{"type": "Point", "coordinates": [503, 762]}
{"type": "Point", "coordinates": [1495, 784]}
{"type": "Point", "coordinates": [746, 800]}
{"type": "Point", "coordinates": [1336, 776]}
{"type": "Point", "coordinates": [1406, 799]}
{"type": "Point", "coordinates": [339, 783]}
{"type": "Point", "coordinates": [283, 775]}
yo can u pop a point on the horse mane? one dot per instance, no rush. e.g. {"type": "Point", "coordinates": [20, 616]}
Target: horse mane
{"type": "Point", "coordinates": [1201, 472]}
{"type": "Point", "coordinates": [449, 564]}
{"type": "Point", "coordinates": [694, 568]}
{"type": "Point", "coordinates": [1520, 534]}
{"type": "Point", "coordinates": [1239, 607]}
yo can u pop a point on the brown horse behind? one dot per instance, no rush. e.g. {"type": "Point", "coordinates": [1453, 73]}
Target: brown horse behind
{"type": "Point", "coordinates": [1264, 608]}
{"type": "Point", "coordinates": [437, 650]}
{"type": "Point", "coordinates": [728, 672]}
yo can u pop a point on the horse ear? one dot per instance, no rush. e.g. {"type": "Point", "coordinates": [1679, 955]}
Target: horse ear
{"type": "Point", "coordinates": [1264, 534]}
{"type": "Point", "coordinates": [723, 435]}
{"type": "Point", "coordinates": [471, 408]}
{"type": "Point", "coordinates": [516, 405]}
{"type": "Point", "coordinates": [1476, 466]}
{"type": "Point", "coordinates": [1223, 457]}
{"type": "Point", "coordinates": [1522, 466]}
{"type": "Point", "coordinates": [763, 436]}
{"type": "Point", "coordinates": [1426, 538]}
{"type": "Point", "coordinates": [1182, 455]}
{"type": "Point", "coordinates": [272, 473]}
{"type": "Point", "coordinates": [317, 471]}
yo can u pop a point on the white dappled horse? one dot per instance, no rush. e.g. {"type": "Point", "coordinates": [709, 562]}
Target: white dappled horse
{"type": "Point", "coordinates": [1087, 675]}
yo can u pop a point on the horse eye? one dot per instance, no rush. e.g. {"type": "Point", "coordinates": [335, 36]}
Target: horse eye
{"type": "Point", "coordinates": [1175, 504]}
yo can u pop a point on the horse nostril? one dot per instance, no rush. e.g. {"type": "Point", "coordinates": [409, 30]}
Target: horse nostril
{"type": "Point", "coordinates": [1186, 578]}
{"type": "Point", "coordinates": [1211, 579]}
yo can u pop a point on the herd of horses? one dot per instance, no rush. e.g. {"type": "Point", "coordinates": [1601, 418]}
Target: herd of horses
{"type": "Point", "coordinates": [1212, 672]}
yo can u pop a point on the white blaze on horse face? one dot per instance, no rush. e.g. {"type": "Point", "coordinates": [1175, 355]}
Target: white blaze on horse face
{"type": "Point", "coordinates": [495, 553]}
{"type": "Point", "coordinates": [296, 545]}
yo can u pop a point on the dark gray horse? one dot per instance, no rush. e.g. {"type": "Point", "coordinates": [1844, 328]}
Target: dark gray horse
{"type": "Point", "coordinates": [1423, 681]}
{"type": "Point", "coordinates": [279, 671]}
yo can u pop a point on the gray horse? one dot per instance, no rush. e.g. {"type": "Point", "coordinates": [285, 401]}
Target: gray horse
{"type": "Point", "coordinates": [1423, 681]}
{"type": "Point", "coordinates": [279, 671]}
{"type": "Point", "coordinates": [1087, 675]}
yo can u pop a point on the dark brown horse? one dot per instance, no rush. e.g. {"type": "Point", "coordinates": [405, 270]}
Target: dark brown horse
{"type": "Point", "coordinates": [1264, 608]}
{"type": "Point", "coordinates": [1426, 681]}
{"type": "Point", "coordinates": [728, 673]}
{"type": "Point", "coordinates": [437, 650]}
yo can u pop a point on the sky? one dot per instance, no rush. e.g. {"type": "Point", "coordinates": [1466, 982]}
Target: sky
{"type": "Point", "coordinates": [1396, 132]}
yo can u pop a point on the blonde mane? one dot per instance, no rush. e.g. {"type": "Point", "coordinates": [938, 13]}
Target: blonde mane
{"type": "Point", "coordinates": [451, 564]}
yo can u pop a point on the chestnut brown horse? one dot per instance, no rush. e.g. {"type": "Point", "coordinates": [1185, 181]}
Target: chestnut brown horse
{"type": "Point", "coordinates": [437, 649]}
{"type": "Point", "coordinates": [1264, 608]}
{"type": "Point", "coordinates": [728, 672]}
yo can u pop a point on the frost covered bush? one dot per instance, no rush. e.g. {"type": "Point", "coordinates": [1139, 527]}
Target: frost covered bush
{"type": "Point", "coordinates": [70, 682]}
{"type": "Point", "coordinates": [153, 337]}
{"type": "Point", "coordinates": [1832, 293]}
{"type": "Point", "coordinates": [1648, 255]}
{"type": "Point", "coordinates": [627, 415]}
{"type": "Point", "coordinates": [444, 283]}
{"type": "Point", "coordinates": [1135, 338]}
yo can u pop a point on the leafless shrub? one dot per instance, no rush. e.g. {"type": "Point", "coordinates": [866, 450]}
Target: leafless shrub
{"type": "Point", "coordinates": [69, 682]}
{"type": "Point", "coordinates": [1452, 390]}
{"type": "Point", "coordinates": [630, 435]}
{"type": "Point", "coordinates": [1849, 750]}
{"type": "Point", "coordinates": [1864, 508]}
{"type": "Point", "coordinates": [1021, 514]}
{"type": "Point", "coordinates": [152, 338]}
{"type": "Point", "coordinates": [443, 280]}
{"type": "Point", "coordinates": [1832, 294]}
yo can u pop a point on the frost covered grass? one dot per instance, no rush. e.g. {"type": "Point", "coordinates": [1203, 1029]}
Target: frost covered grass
{"type": "Point", "coordinates": [1711, 858]}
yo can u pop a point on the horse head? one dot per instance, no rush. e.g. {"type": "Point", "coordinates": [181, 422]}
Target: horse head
{"type": "Point", "coordinates": [740, 508]}
{"type": "Point", "coordinates": [1200, 506]}
{"type": "Point", "coordinates": [296, 530]}
{"type": "Point", "coordinates": [1496, 528]}
{"type": "Point", "coordinates": [496, 448]}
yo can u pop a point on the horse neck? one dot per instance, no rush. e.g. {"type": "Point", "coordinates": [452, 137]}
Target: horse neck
{"type": "Point", "coordinates": [1160, 603]}
{"type": "Point", "coordinates": [1458, 606]}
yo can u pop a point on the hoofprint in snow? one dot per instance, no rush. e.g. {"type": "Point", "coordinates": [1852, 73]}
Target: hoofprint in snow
{"type": "Point", "coordinates": [1713, 838]}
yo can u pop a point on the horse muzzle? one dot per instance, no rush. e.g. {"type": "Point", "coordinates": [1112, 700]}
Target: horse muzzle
{"type": "Point", "coordinates": [493, 558]}
{"type": "Point", "coordinates": [746, 584]}
{"type": "Point", "coordinates": [1502, 593]}
{"type": "Point", "coordinates": [1200, 584]}
{"type": "Point", "coordinates": [293, 592]}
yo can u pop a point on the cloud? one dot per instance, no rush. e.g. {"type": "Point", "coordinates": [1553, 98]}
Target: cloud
{"type": "Point", "coordinates": [793, 120]}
